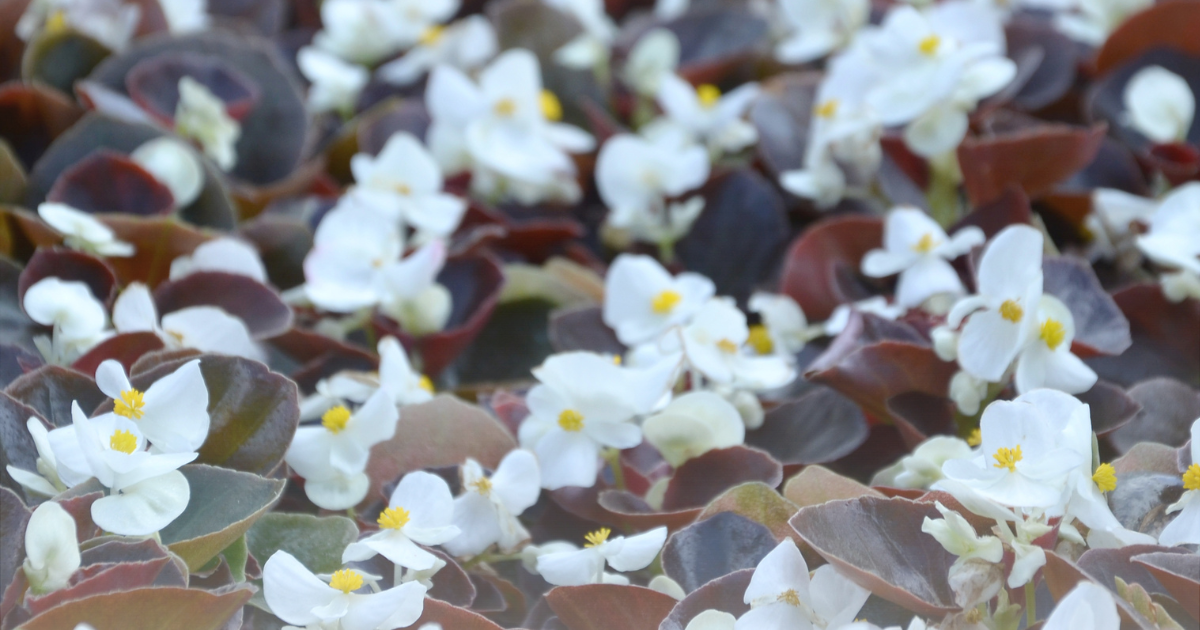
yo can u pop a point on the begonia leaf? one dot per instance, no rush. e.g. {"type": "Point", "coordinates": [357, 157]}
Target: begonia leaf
{"type": "Point", "coordinates": [821, 267]}
{"type": "Point", "coordinates": [717, 546]}
{"type": "Point", "coordinates": [450, 616]}
{"type": "Point", "coordinates": [316, 541]}
{"type": "Point", "coordinates": [32, 116]}
{"type": "Point", "coordinates": [782, 115]}
{"type": "Point", "coordinates": [154, 84]}
{"type": "Point", "coordinates": [604, 606]}
{"type": "Point", "coordinates": [51, 389]}
{"type": "Point", "coordinates": [919, 416]}
{"type": "Point", "coordinates": [622, 508]}
{"type": "Point", "coordinates": [125, 348]}
{"type": "Point", "coordinates": [16, 444]}
{"type": "Point", "coordinates": [256, 304]}
{"type": "Point", "coordinates": [1035, 158]}
{"type": "Point", "coordinates": [108, 578]}
{"type": "Point", "coordinates": [282, 243]}
{"type": "Point", "coordinates": [816, 485]}
{"type": "Point", "coordinates": [821, 426]}
{"type": "Point", "coordinates": [1179, 573]}
{"type": "Point", "coordinates": [1100, 327]}
{"type": "Point", "coordinates": [1168, 408]}
{"type": "Point", "coordinates": [1052, 56]}
{"type": "Point", "coordinates": [60, 57]}
{"type": "Point", "coordinates": [153, 608]}
{"type": "Point", "coordinates": [758, 502]}
{"type": "Point", "coordinates": [512, 342]}
{"type": "Point", "coordinates": [1165, 25]}
{"type": "Point", "coordinates": [725, 594]}
{"type": "Point", "coordinates": [1103, 565]}
{"type": "Point", "coordinates": [1165, 337]}
{"type": "Point", "coordinates": [13, 517]}
{"type": "Point", "coordinates": [714, 39]}
{"type": "Point", "coordinates": [107, 181]}
{"type": "Point", "coordinates": [583, 328]}
{"type": "Point", "coordinates": [703, 478]}
{"type": "Point", "coordinates": [157, 242]}
{"type": "Point", "coordinates": [69, 265]}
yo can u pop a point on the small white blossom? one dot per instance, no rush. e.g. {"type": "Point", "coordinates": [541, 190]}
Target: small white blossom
{"type": "Point", "coordinates": [487, 510]}
{"type": "Point", "coordinates": [1086, 606]}
{"type": "Point", "coordinates": [782, 596]}
{"type": "Point", "coordinates": [818, 27]}
{"type": "Point", "coordinates": [709, 116]}
{"type": "Point", "coordinates": [642, 300]}
{"type": "Point", "coordinates": [420, 511]}
{"type": "Point", "coordinates": [172, 413]}
{"type": "Point", "coordinates": [466, 44]}
{"type": "Point", "coordinates": [1185, 528]}
{"type": "Point", "coordinates": [715, 345]}
{"type": "Point", "coordinates": [405, 176]}
{"type": "Point", "coordinates": [82, 231]}
{"type": "Point", "coordinates": [586, 566]}
{"type": "Point", "coordinates": [224, 254]}
{"type": "Point", "coordinates": [917, 248]}
{"type": "Point", "coordinates": [297, 596]}
{"type": "Point", "coordinates": [202, 117]}
{"type": "Point", "coordinates": [692, 425]}
{"type": "Point", "coordinates": [175, 165]}
{"type": "Point", "coordinates": [334, 84]}
{"type": "Point", "coordinates": [654, 57]}
{"type": "Point", "coordinates": [51, 548]}
{"type": "Point", "coordinates": [205, 328]}
{"type": "Point", "coordinates": [1160, 104]}
{"type": "Point", "coordinates": [78, 318]}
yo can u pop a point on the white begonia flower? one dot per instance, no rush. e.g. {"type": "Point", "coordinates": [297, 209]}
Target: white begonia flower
{"type": "Point", "coordinates": [1115, 211]}
{"type": "Point", "coordinates": [466, 44]}
{"type": "Point", "coordinates": [945, 342]}
{"type": "Point", "coordinates": [1027, 557]}
{"type": "Point", "coordinates": [51, 548]}
{"type": "Point", "coordinates": [708, 115]}
{"type": "Point", "coordinates": [671, 9]}
{"type": "Point", "coordinates": [784, 329]}
{"type": "Point", "coordinates": [591, 47]}
{"type": "Point", "coordinates": [667, 586]}
{"type": "Point", "coordinates": [174, 164]}
{"type": "Point", "coordinates": [396, 376]}
{"type": "Point", "coordinates": [818, 27]}
{"type": "Point", "coordinates": [967, 392]}
{"type": "Point", "coordinates": [406, 176]}
{"type": "Point", "coordinates": [923, 467]}
{"type": "Point", "coordinates": [693, 424]}
{"type": "Point", "coordinates": [653, 57]}
{"type": "Point", "coordinates": [420, 511]}
{"type": "Point", "coordinates": [584, 402]}
{"type": "Point", "coordinates": [45, 481]}
{"type": "Point", "coordinates": [332, 457]}
{"type": "Point", "coordinates": [334, 85]}
{"type": "Point", "coordinates": [1046, 359]}
{"type": "Point", "coordinates": [712, 620]}
{"type": "Point", "coordinates": [112, 23]}
{"type": "Point", "coordinates": [635, 176]}
{"type": "Point", "coordinates": [642, 300]}
{"type": "Point", "coordinates": [878, 306]}
{"type": "Point", "coordinates": [185, 16]}
{"type": "Point", "coordinates": [225, 254]}
{"type": "Point", "coordinates": [1185, 528]}
{"type": "Point", "coordinates": [77, 317]}
{"type": "Point", "coordinates": [918, 249]}
{"type": "Point", "coordinates": [1002, 316]}
{"type": "Point", "coordinates": [147, 491]}
{"type": "Point", "coordinates": [1173, 241]}
{"type": "Point", "coordinates": [1160, 104]}
{"type": "Point", "coordinates": [82, 231]}
{"type": "Point", "coordinates": [1085, 606]}
{"type": "Point", "coordinates": [297, 596]}
{"type": "Point", "coordinates": [202, 117]}
{"type": "Point", "coordinates": [586, 566]}
{"type": "Point", "coordinates": [205, 328]}
{"type": "Point", "coordinates": [782, 596]}
{"type": "Point", "coordinates": [361, 31]}
{"type": "Point", "coordinates": [487, 510]}
{"type": "Point", "coordinates": [715, 345]}
{"type": "Point", "coordinates": [976, 575]}
{"type": "Point", "coordinates": [172, 413]}
{"type": "Point", "coordinates": [1093, 20]}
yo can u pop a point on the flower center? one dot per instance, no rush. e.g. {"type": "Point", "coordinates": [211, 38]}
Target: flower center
{"type": "Point", "coordinates": [570, 420]}
{"type": "Point", "coordinates": [346, 580]}
{"type": "Point", "coordinates": [828, 109]}
{"type": "Point", "coordinates": [665, 301]}
{"type": "Point", "coordinates": [727, 346]}
{"type": "Point", "coordinates": [57, 22]}
{"type": "Point", "coordinates": [789, 597]}
{"type": "Point", "coordinates": [505, 107]}
{"type": "Point", "coordinates": [1191, 478]}
{"type": "Point", "coordinates": [130, 404]}
{"type": "Point", "coordinates": [760, 339]}
{"type": "Point", "coordinates": [925, 245]}
{"type": "Point", "coordinates": [1105, 478]}
{"type": "Point", "coordinates": [1011, 311]}
{"type": "Point", "coordinates": [551, 106]}
{"type": "Point", "coordinates": [1008, 458]}
{"type": "Point", "coordinates": [432, 35]}
{"type": "Point", "coordinates": [123, 441]}
{"type": "Point", "coordinates": [929, 46]}
{"type": "Point", "coordinates": [708, 94]}
{"type": "Point", "coordinates": [597, 538]}
{"type": "Point", "coordinates": [483, 485]}
{"type": "Point", "coordinates": [403, 189]}
{"type": "Point", "coordinates": [335, 419]}
{"type": "Point", "coordinates": [425, 384]}
{"type": "Point", "coordinates": [976, 438]}
{"type": "Point", "coordinates": [393, 518]}
{"type": "Point", "coordinates": [1053, 333]}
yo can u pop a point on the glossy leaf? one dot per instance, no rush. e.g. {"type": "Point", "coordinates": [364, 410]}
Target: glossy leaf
{"type": "Point", "coordinates": [256, 304]}
{"type": "Point", "coordinates": [701, 479]}
{"type": "Point", "coordinates": [51, 389]}
{"type": "Point", "coordinates": [1165, 25]}
{"type": "Point", "coordinates": [32, 116]}
{"type": "Point", "coordinates": [1046, 61]}
{"type": "Point", "coordinates": [316, 541]}
{"type": "Point", "coordinates": [604, 606]}
{"type": "Point", "coordinates": [782, 115]}
{"type": "Point", "coordinates": [107, 181]}
{"type": "Point", "coordinates": [1035, 158]}
{"type": "Point", "coordinates": [821, 267]}
{"type": "Point", "coordinates": [156, 608]}
{"type": "Point", "coordinates": [714, 547]}
{"type": "Point", "coordinates": [157, 241]}
{"type": "Point", "coordinates": [820, 427]}
{"type": "Point", "coordinates": [16, 445]}
{"type": "Point", "coordinates": [125, 348]}
{"type": "Point", "coordinates": [1179, 573]}
{"type": "Point", "coordinates": [919, 416]}
{"type": "Point", "coordinates": [13, 517]}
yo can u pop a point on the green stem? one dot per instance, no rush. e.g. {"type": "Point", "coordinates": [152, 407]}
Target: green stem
{"type": "Point", "coordinates": [613, 457]}
{"type": "Point", "coordinates": [666, 251]}
{"type": "Point", "coordinates": [1030, 604]}
{"type": "Point", "coordinates": [944, 178]}
{"type": "Point", "coordinates": [487, 557]}
{"type": "Point", "coordinates": [352, 514]}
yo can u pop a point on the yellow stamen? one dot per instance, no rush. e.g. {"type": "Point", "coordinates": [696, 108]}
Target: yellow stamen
{"type": "Point", "coordinates": [1011, 311]}
{"type": "Point", "coordinates": [727, 346]}
{"type": "Point", "coordinates": [346, 580]}
{"type": "Point", "coordinates": [483, 485]}
{"type": "Point", "coordinates": [1053, 333]}
{"type": "Point", "coordinates": [56, 23]}
{"type": "Point", "coordinates": [665, 301]}
{"type": "Point", "coordinates": [597, 538]}
{"type": "Point", "coordinates": [925, 245]}
{"type": "Point", "coordinates": [789, 597]}
{"type": "Point", "coordinates": [976, 438]}
{"type": "Point", "coordinates": [1191, 478]}
{"type": "Point", "coordinates": [760, 339]}
{"type": "Point", "coordinates": [1105, 478]}
{"type": "Point", "coordinates": [123, 441]}
{"type": "Point", "coordinates": [708, 94]}
{"type": "Point", "coordinates": [1008, 458]}
{"type": "Point", "coordinates": [828, 109]}
{"type": "Point", "coordinates": [551, 106]}
{"type": "Point", "coordinates": [929, 46]}
{"type": "Point", "coordinates": [403, 189]}
{"type": "Point", "coordinates": [616, 359]}
{"type": "Point", "coordinates": [432, 35]}
{"type": "Point", "coordinates": [335, 419]}
{"type": "Point", "coordinates": [425, 384]}
{"type": "Point", "coordinates": [570, 420]}
{"type": "Point", "coordinates": [394, 518]}
{"type": "Point", "coordinates": [130, 404]}
{"type": "Point", "coordinates": [505, 107]}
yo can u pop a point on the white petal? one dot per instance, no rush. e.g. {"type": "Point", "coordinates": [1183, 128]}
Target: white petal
{"type": "Point", "coordinates": [780, 570]}
{"type": "Point", "coordinates": [51, 548]}
{"type": "Point", "coordinates": [397, 607]}
{"type": "Point", "coordinates": [111, 379]}
{"type": "Point", "coordinates": [337, 492]}
{"type": "Point", "coordinates": [176, 416]}
{"type": "Point", "coordinates": [211, 329]}
{"type": "Point", "coordinates": [427, 498]}
{"type": "Point", "coordinates": [567, 459]}
{"type": "Point", "coordinates": [292, 591]}
{"type": "Point", "coordinates": [144, 507]}
{"type": "Point", "coordinates": [639, 551]}
{"type": "Point", "coordinates": [516, 482]}
{"type": "Point", "coordinates": [175, 165]}
{"type": "Point", "coordinates": [134, 311]}
{"type": "Point", "coordinates": [571, 568]}
{"type": "Point", "coordinates": [1086, 606]}
{"type": "Point", "coordinates": [476, 518]}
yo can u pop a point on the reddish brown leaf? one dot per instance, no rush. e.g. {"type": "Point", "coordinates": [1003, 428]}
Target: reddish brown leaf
{"type": "Point", "coordinates": [32, 116]}
{"type": "Point", "coordinates": [107, 181]}
{"type": "Point", "coordinates": [1179, 573]}
{"type": "Point", "coordinates": [453, 617]}
{"type": "Point", "coordinates": [256, 304]}
{"type": "Point", "coordinates": [820, 268]}
{"type": "Point", "coordinates": [725, 594]}
{"type": "Point", "coordinates": [702, 479]}
{"type": "Point", "coordinates": [157, 608]}
{"type": "Point", "coordinates": [126, 348]}
{"type": "Point", "coordinates": [1171, 24]}
{"type": "Point", "coordinates": [1036, 159]}
{"type": "Point", "coordinates": [154, 85]}
{"type": "Point", "coordinates": [606, 606]}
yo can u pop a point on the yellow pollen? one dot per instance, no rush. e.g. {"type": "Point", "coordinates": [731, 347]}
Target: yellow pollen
{"type": "Point", "coordinates": [789, 597]}
{"type": "Point", "coordinates": [403, 189]}
{"type": "Point", "coordinates": [57, 22]}
{"type": "Point", "coordinates": [393, 518]}
{"type": "Point", "coordinates": [1105, 478]}
{"type": "Point", "coordinates": [708, 94]}
{"type": "Point", "coordinates": [570, 420]}
{"type": "Point", "coordinates": [1191, 478]}
{"type": "Point", "coordinates": [760, 339]}
{"type": "Point", "coordinates": [551, 106]}
{"type": "Point", "coordinates": [335, 419]}
{"type": "Point", "coordinates": [123, 441]}
{"type": "Point", "coordinates": [976, 438]}
{"type": "Point", "coordinates": [129, 404]}
{"type": "Point", "coordinates": [665, 301]}
{"type": "Point", "coordinates": [346, 580]}
{"type": "Point", "coordinates": [616, 359]}
{"type": "Point", "coordinates": [1008, 458]}
{"type": "Point", "coordinates": [1053, 333]}
{"type": "Point", "coordinates": [1011, 311]}
{"type": "Point", "coordinates": [483, 485]}
{"type": "Point", "coordinates": [727, 346]}
{"type": "Point", "coordinates": [929, 45]}
{"type": "Point", "coordinates": [597, 538]}
{"type": "Point", "coordinates": [432, 35]}
{"type": "Point", "coordinates": [925, 245]}
{"type": "Point", "coordinates": [828, 109]}
{"type": "Point", "coordinates": [505, 107]}
{"type": "Point", "coordinates": [425, 384]}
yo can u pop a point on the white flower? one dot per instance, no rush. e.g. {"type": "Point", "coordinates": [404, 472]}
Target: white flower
{"type": "Point", "coordinates": [297, 596]}
{"type": "Point", "coordinates": [1185, 529]}
{"type": "Point", "coordinates": [1002, 315]}
{"type": "Point", "coordinates": [201, 116]}
{"type": "Point", "coordinates": [967, 392]}
{"type": "Point", "coordinates": [917, 248]}
{"type": "Point", "coordinates": [361, 31]}
{"type": "Point", "coordinates": [818, 27]}
{"type": "Point", "coordinates": [172, 413]}
{"type": "Point", "coordinates": [712, 620]}
{"type": "Point", "coordinates": [45, 481]}
{"type": "Point", "coordinates": [1173, 240]}
{"type": "Point", "coordinates": [175, 165]}
{"type": "Point", "coordinates": [782, 597]}
{"type": "Point", "coordinates": [112, 23]}
{"type": "Point", "coordinates": [1086, 606]}
{"type": "Point", "coordinates": [487, 510]}
{"type": "Point", "coordinates": [396, 376]}
{"type": "Point", "coordinates": [407, 177]}
{"type": "Point", "coordinates": [82, 231]}
{"type": "Point", "coordinates": [334, 84]}
{"type": "Point", "coordinates": [958, 536]}
{"type": "Point", "coordinates": [591, 47]}
{"type": "Point", "coordinates": [332, 457]}
{"type": "Point", "coordinates": [653, 57]}
{"type": "Point", "coordinates": [1027, 556]}
{"type": "Point", "coordinates": [1093, 20]}
{"type": "Point", "coordinates": [923, 467]}
{"type": "Point", "coordinates": [708, 115]}
{"type": "Point", "coordinates": [692, 425]}
{"type": "Point", "coordinates": [1117, 210]}
{"type": "Point", "coordinates": [715, 345]}
{"type": "Point", "coordinates": [77, 316]}
{"type": "Point", "coordinates": [642, 300]}
{"type": "Point", "coordinates": [420, 511]}
{"type": "Point", "coordinates": [1160, 104]}
{"type": "Point", "coordinates": [146, 490]}
{"type": "Point", "coordinates": [466, 44]}
{"type": "Point", "coordinates": [784, 329]}
{"type": "Point", "coordinates": [877, 306]}
{"type": "Point", "coordinates": [584, 402]}
{"type": "Point", "coordinates": [185, 16]}
{"type": "Point", "coordinates": [1046, 360]}
{"type": "Point", "coordinates": [224, 254]}
{"type": "Point", "coordinates": [586, 566]}
{"type": "Point", "coordinates": [205, 328]}
{"type": "Point", "coordinates": [51, 548]}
